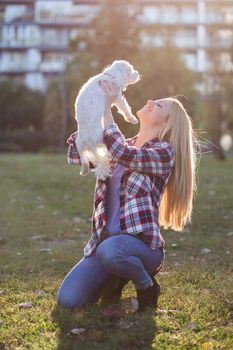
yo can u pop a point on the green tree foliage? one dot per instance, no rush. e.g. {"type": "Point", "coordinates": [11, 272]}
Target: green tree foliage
{"type": "Point", "coordinates": [22, 117]}
{"type": "Point", "coordinates": [117, 34]}
{"type": "Point", "coordinates": [216, 105]}
{"type": "Point", "coordinates": [21, 107]}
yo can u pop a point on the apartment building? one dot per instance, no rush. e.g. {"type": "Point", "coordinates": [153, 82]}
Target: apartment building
{"type": "Point", "coordinates": [34, 34]}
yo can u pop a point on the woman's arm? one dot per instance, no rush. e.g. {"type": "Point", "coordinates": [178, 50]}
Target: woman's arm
{"type": "Point", "coordinates": [111, 90]}
{"type": "Point", "coordinates": [157, 160]}
{"type": "Point", "coordinates": [73, 156]}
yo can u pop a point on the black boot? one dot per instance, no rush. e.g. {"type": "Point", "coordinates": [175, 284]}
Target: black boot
{"type": "Point", "coordinates": [148, 297]}
{"type": "Point", "coordinates": [115, 295]}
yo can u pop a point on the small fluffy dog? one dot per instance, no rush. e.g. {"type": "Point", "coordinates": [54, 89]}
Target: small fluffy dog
{"type": "Point", "coordinates": [89, 113]}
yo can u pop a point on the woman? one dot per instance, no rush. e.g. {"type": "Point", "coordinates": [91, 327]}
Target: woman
{"type": "Point", "coordinates": [152, 184]}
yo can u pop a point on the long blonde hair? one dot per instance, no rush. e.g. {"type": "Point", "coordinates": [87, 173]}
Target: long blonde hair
{"type": "Point", "coordinates": [176, 205]}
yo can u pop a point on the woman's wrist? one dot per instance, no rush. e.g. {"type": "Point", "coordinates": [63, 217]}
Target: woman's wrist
{"type": "Point", "coordinates": [108, 117]}
{"type": "Point", "coordinates": [110, 90]}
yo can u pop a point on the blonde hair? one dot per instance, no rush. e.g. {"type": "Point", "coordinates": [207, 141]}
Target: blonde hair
{"type": "Point", "coordinates": [176, 205]}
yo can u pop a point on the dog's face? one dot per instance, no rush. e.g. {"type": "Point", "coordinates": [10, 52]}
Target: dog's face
{"type": "Point", "coordinates": [127, 71]}
{"type": "Point", "coordinates": [131, 75]}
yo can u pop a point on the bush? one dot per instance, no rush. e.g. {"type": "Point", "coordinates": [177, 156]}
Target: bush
{"type": "Point", "coordinates": [23, 141]}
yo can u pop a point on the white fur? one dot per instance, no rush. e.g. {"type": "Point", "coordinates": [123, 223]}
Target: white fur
{"type": "Point", "coordinates": [89, 113]}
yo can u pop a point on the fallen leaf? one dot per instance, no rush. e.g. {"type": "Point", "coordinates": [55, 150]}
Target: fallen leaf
{"type": "Point", "coordinates": [77, 219]}
{"type": "Point", "coordinates": [230, 233]}
{"type": "Point", "coordinates": [97, 335]}
{"type": "Point", "coordinates": [77, 331]}
{"type": "Point", "coordinates": [191, 325]}
{"type": "Point", "coordinates": [125, 325]}
{"type": "Point", "coordinates": [205, 291]}
{"type": "Point", "coordinates": [57, 242]}
{"type": "Point", "coordinates": [212, 193]}
{"type": "Point", "coordinates": [206, 345]}
{"type": "Point", "coordinates": [205, 250]}
{"type": "Point", "coordinates": [228, 301]}
{"type": "Point", "coordinates": [25, 305]}
{"type": "Point", "coordinates": [3, 240]}
{"type": "Point", "coordinates": [163, 311]}
{"type": "Point", "coordinates": [36, 237]}
{"type": "Point", "coordinates": [46, 250]}
{"type": "Point", "coordinates": [130, 304]}
{"type": "Point", "coordinates": [39, 291]}
{"type": "Point", "coordinates": [114, 312]}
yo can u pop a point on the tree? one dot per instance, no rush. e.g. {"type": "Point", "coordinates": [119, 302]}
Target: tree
{"type": "Point", "coordinates": [117, 34]}
{"type": "Point", "coordinates": [21, 107]}
{"type": "Point", "coordinates": [22, 116]}
{"type": "Point", "coordinates": [217, 97]}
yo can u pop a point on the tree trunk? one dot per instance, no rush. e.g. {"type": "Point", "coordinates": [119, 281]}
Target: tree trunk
{"type": "Point", "coordinates": [64, 114]}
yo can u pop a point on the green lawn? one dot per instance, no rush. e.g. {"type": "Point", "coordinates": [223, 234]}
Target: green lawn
{"type": "Point", "coordinates": [46, 208]}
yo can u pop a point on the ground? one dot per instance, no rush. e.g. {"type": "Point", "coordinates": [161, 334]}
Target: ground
{"type": "Point", "coordinates": [45, 214]}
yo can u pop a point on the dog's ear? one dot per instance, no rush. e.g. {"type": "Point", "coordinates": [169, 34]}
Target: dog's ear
{"type": "Point", "coordinates": [106, 68]}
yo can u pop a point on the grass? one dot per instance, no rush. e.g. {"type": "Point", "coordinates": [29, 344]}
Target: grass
{"type": "Point", "coordinates": [41, 195]}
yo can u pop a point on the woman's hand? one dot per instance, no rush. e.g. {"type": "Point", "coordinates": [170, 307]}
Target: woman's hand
{"type": "Point", "coordinates": [111, 91]}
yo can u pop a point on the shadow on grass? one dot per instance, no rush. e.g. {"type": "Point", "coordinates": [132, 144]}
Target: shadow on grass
{"type": "Point", "coordinates": [103, 332]}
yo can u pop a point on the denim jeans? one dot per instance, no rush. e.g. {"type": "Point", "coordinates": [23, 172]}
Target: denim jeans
{"type": "Point", "coordinates": [121, 255]}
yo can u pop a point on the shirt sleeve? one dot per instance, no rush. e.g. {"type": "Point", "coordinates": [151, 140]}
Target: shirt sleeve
{"type": "Point", "coordinates": [73, 156]}
{"type": "Point", "coordinates": [158, 160]}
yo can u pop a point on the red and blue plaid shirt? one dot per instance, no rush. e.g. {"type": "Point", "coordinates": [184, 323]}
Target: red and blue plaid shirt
{"type": "Point", "coordinates": [141, 189]}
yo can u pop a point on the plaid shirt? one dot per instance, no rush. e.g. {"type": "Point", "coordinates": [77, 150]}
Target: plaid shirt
{"type": "Point", "coordinates": [141, 188]}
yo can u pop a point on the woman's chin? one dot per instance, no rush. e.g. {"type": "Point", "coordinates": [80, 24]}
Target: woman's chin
{"type": "Point", "coordinates": [139, 113]}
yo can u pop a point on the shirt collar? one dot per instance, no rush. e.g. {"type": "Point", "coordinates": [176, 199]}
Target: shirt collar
{"type": "Point", "coordinates": [132, 140]}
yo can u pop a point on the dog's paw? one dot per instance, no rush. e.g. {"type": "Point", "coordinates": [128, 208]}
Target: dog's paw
{"type": "Point", "coordinates": [84, 170]}
{"type": "Point", "coordinates": [102, 172]}
{"type": "Point", "coordinates": [132, 119]}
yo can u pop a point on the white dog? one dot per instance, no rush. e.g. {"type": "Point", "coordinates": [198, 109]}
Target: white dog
{"type": "Point", "coordinates": [89, 112]}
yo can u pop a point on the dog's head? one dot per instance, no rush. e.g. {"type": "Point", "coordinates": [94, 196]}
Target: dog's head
{"type": "Point", "coordinates": [124, 73]}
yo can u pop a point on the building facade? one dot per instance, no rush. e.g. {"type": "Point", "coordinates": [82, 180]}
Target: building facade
{"type": "Point", "coordinates": [35, 34]}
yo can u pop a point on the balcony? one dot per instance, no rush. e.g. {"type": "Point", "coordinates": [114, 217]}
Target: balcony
{"type": "Point", "coordinates": [18, 2]}
{"type": "Point", "coordinates": [19, 17]}
{"type": "Point", "coordinates": [65, 15]}
{"type": "Point", "coordinates": [52, 67]}
{"type": "Point", "coordinates": [168, 15]}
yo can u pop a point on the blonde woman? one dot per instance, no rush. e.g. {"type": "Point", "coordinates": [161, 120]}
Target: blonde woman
{"type": "Point", "coordinates": [152, 185]}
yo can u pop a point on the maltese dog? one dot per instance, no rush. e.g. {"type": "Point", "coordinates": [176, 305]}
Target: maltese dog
{"type": "Point", "coordinates": [89, 113]}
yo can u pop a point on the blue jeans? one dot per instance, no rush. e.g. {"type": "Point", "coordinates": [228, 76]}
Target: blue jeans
{"type": "Point", "coordinates": [117, 256]}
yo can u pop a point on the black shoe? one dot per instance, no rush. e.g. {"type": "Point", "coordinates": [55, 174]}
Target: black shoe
{"type": "Point", "coordinates": [115, 295]}
{"type": "Point", "coordinates": [148, 297]}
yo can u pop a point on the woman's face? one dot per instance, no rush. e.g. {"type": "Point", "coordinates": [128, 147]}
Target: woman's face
{"type": "Point", "coordinates": [155, 112]}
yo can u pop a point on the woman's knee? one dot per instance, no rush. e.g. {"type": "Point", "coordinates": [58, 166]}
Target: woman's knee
{"type": "Point", "coordinates": [69, 299]}
{"type": "Point", "coordinates": [108, 251]}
